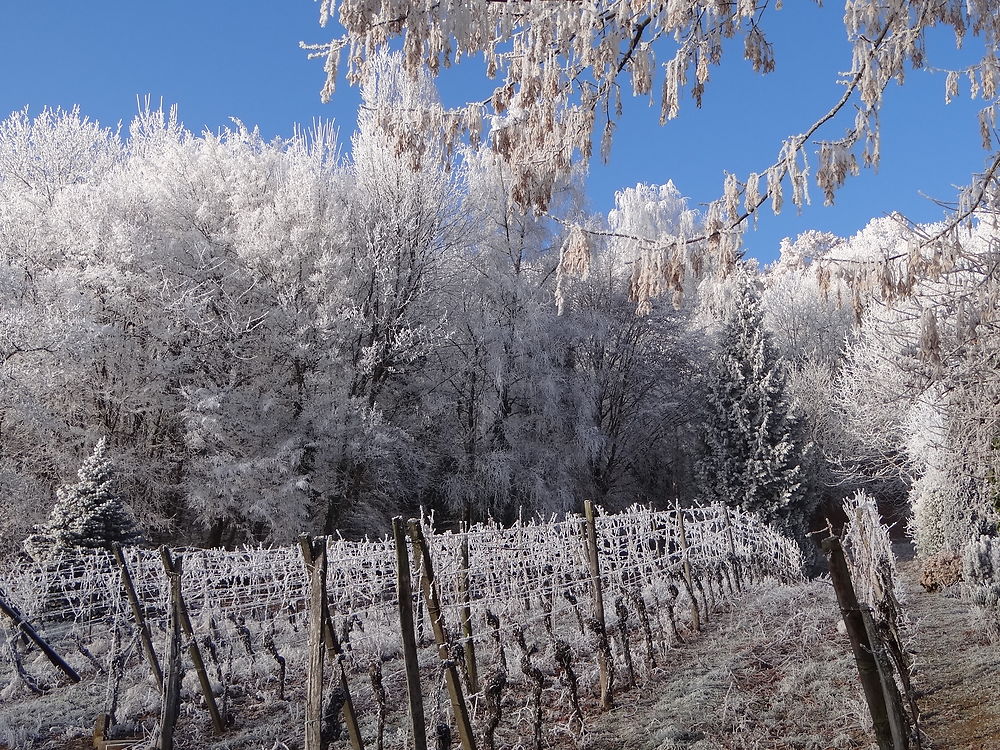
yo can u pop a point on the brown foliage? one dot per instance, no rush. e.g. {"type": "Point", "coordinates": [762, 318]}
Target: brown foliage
{"type": "Point", "coordinates": [941, 571]}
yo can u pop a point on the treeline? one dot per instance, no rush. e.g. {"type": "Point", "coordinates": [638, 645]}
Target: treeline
{"type": "Point", "coordinates": [274, 337]}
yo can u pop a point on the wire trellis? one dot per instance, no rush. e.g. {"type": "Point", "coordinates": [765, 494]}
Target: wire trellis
{"type": "Point", "coordinates": [250, 606]}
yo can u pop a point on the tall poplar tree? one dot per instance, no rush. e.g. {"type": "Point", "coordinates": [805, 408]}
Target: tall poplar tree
{"type": "Point", "coordinates": [750, 456]}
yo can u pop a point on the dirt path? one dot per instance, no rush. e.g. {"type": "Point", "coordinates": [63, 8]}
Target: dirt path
{"type": "Point", "coordinates": [958, 671]}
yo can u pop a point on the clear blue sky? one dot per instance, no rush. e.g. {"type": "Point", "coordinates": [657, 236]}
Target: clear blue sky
{"type": "Point", "coordinates": [222, 59]}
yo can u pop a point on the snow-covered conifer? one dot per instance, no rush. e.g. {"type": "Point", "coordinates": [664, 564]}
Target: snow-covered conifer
{"type": "Point", "coordinates": [90, 513]}
{"type": "Point", "coordinates": [751, 457]}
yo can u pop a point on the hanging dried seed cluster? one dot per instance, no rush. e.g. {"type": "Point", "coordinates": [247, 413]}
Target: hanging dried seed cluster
{"type": "Point", "coordinates": [559, 66]}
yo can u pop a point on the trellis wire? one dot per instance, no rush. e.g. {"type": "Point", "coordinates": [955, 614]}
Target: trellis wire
{"type": "Point", "coordinates": [532, 573]}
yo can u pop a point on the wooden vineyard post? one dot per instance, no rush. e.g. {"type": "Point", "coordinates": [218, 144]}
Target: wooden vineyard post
{"type": "Point", "coordinates": [329, 636]}
{"type": "Point", "coordinates": [173, 567]}
{"type": "Point", "coordinates": [466, 615]}
{"type": "Point", "coordinates": [316, 571]}
{"type": "Point", "coordinates": [465, 733]}
{"type": "Point", "coordinates": [170, 687]}
{"type": "Point", "coordinates": [597, 589]}
{"type": "Point", "coordinates": [890, 693]}
{"type": "Point", "coordinates": [21, 624]}
{"type": "Point", "coordinates": [140, 616]}
{"type": "Point", "coordinates": [404, 595]}
{"type": "Point", "coordinates": [732, 548]}
{"type": "Point", "coordinates": [686, 567]}
{"type": "Point", "coordinates": [860, 644]}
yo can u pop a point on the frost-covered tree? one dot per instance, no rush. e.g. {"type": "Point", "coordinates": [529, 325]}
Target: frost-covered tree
{"type": "Point", "coordinates": [809, 324]}
{"type": "Point", "coordinates": [751, 456]}
{"type": "Point", "coordinates": [92, 513]}
{"type": "Point", "coordinates": [640, 368]}
{"type": "Point", "coordinates": [917, 393]}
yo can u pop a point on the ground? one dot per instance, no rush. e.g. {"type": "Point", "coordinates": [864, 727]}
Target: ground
{"type": "Point", "coordinates": [771, 672]}
{"type": "Point", "coordinates": [777, 673]}
{"type": "Point", "coordinates": [958, 670]}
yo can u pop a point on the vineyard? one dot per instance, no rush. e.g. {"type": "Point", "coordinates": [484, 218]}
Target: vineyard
{"type": "Point", "coordinates": [513, 638]}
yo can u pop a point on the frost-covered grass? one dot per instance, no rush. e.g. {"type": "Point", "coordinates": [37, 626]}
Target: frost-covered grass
{"type": "Point", "coordinates": [48, 721]}
{"type": "Point", "coordinates": [774, 672]}
{"type": "Point", "coordinates": [769, 671]}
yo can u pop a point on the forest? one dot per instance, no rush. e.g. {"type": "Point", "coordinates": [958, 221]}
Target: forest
{"type": "Point", "coordinates": [274, 338]}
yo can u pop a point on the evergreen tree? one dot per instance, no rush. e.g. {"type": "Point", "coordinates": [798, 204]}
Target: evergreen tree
{"type": "Point", "coordinates": [91, 513]}
{"type": "Point", "coordinates": [750, 456]}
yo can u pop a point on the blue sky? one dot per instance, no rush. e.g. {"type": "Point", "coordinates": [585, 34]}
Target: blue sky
{"type": "Point", "coordinates": [224, 59]}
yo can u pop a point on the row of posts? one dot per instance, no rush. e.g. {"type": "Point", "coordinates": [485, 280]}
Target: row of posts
{"type": "Point", "coordinates": [881, 694]}
{"type": "Point", "coordinates": [315, 564]}
{"type": "Point", "coordinates": [323, 642]}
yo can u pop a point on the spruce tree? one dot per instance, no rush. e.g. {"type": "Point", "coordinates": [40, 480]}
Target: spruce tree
{"type": "Point", "coordinates": [90, 513]}
{"type": "Point", "coordinates": [750, 456]}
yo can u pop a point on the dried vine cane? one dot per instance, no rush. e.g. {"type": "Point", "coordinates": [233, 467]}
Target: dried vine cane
{"type": "Point", "coordinates": [85, 652]}
{"type": "Point", "coordinates": [571, 598]}
{"type": "Point", "coordinates": [15, 659]}
{"type": "Point", "coordinates": [712, 599]}
{"type": "Point", "coordinates": [244, 633]}
{"type": "Point", "coordinates": [567, 675]}
{"type": "Point", "coordinates": [725, 582]}
{"type": "Point", "coordinates": [442, 727]}
{"type": "Point", "coordinates": [658, 609]}
{"type": "Point", "coordinates": [213, 651]}
{"type": "Point", "coordinates": [208, 641]}
{"type": "Point", "coordinates": [119, 656]}
{"type": "Point", "coordinates": [534, 674]}
{"type": "Point", "coordinates": [493, 687]}
{"type": "Point", "coordinates": [673, 592]}
{"type": "Point", "coordinates": [494, 623]}
{"type": "Point", "coordinates": [456, 650]}
{"type": "Point", "coordinates": [378, 690]}
{"type": "Point", "coordinates": [622, 612]}
{"type": "Point", "coordinates": [704, 599]}
{"type": "Point", "coordinates": [332, 728]}
{"type": "Point", "coordinates": [272, 649]}
{"type": "Point", "coordinates": [647, 631]}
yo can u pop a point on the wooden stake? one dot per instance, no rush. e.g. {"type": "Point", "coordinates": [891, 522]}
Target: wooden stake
{"type": "Point", "coordinates": [686, 567]}
{"type": "Point", "coordinates": [21, 624]}
{"type": "Point", "coordinates": [404, 595]}
{"type": "Point", "coordinates": [465, 615]}
{"type": "Point", "coordinates": [332, 643]}
{"type": "Point", "coordinates": [140, 616]}
{"type": "Point", "coordinates": [465, 733]}
{"type": "Point", "coordinates": [316, 571]}
{"type": "Point", "coordinates": [597, 589]}
{"type": "Point", "coordinates": [860, 644]}
{"type": "Point", "coordinates": [171, 686]}
{"type": "Point", "coordinates": [173, 568]}
{"type": "Point", "coordinates": [890, 693]}
{"type": "Point", "coordinates": [732, 548]}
